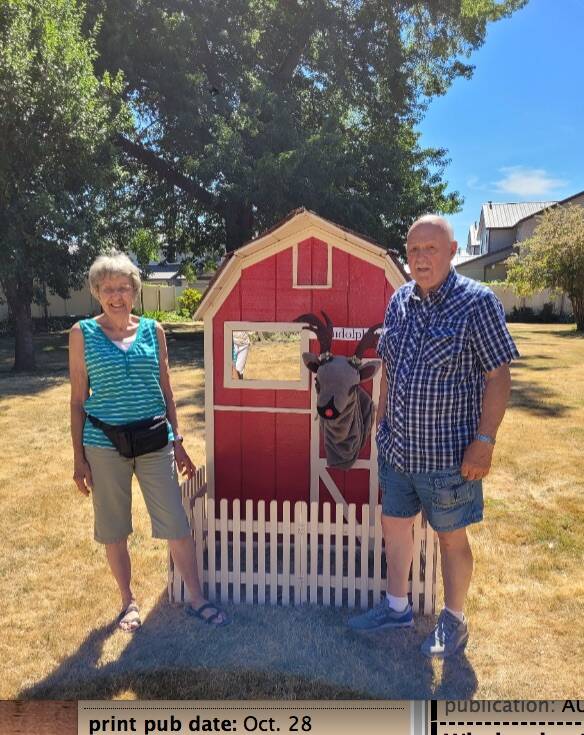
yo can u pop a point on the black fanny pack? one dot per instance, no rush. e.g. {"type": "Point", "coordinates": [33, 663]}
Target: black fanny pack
{"type": "Point", "coordinates": [140, 437]}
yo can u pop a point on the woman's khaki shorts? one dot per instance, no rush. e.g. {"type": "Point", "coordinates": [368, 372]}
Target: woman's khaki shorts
{"type": "Point", "coordinates": [112, 493]}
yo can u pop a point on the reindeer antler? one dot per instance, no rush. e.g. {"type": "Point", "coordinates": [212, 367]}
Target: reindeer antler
{"type": "Point", "coordinates": [324, 332]}
{"type": "Point", "coordinates": [369, 339]}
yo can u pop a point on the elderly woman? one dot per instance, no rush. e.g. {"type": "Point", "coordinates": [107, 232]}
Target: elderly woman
{"type": "Point", "coordinates": [124, 422]}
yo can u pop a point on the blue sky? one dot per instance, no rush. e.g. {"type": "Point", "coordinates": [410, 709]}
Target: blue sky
{"type": "Point", "coordinates": [514, 132]}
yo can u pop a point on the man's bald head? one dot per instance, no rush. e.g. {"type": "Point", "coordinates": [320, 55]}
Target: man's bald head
{"type": "Point", "coordinates": [433, 220]}
{"type": "Point", "coordinates": [430, 248]}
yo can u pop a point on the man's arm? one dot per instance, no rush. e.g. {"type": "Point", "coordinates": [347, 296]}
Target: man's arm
{"type": "Point", "coordinates": [381, 406]}
{"type": "Point", "coordinates": [476, 462]}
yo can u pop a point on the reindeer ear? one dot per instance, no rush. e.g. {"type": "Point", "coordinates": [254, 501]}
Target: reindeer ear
{"type": "Point", "coordinates": [368, 370]}
{"type": "Point", "coordinates": [311, 361]}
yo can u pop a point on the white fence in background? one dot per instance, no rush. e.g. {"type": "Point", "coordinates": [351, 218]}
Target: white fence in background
{"type": "Point", "coordinates": [284, 554]}
{"type": "Point", "coordinates": [164, 298]}
{"type": "Point", "coordinates": [560, 301]}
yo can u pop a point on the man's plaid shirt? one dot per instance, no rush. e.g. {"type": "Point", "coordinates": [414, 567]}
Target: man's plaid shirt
{"type": "Point", "coordinates": [436, 352]}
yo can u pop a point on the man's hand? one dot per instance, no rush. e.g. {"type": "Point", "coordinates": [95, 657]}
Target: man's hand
{"type": "Point", "coordinates": [183, 461]}
{"type": "Point", "coordinates": [477, 459]}
{"type": "Point", "coordinates": [82, 476]}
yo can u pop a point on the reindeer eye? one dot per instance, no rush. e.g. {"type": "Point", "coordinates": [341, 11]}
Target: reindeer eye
{"type": "Point", "coordinates": [317, 385]}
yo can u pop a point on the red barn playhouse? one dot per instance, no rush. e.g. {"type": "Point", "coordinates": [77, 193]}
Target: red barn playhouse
{"type": "Point", "coordinates": [285, 527]}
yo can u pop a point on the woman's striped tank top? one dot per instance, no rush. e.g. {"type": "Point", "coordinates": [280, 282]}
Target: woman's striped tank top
{"type": "Point", "coordinates": [124, 385]}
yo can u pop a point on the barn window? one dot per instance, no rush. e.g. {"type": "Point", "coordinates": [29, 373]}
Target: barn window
{"type": "Point", "coordinates": [312, 264]}
{"type": "Point", "coordinates": [265, 355]}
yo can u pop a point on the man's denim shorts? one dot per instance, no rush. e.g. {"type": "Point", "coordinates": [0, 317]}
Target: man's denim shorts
{"type": "Point", "coordinates": [449, 501]}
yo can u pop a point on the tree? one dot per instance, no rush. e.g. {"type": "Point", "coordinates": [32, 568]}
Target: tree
{"type": "Point", "coordinates": [553, 257]}
{"type": "Point", "coordinates": [58, 165]}
{"type": "Point", "coordinates": [250, 108]}
{"type": "Point", "coordinates": [145, 246]}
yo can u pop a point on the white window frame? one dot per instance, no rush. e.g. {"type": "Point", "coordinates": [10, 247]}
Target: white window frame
{"type": "Point", "coordinates": [329, 270]}
{"type": "Point", "coordinates": [303, 383]}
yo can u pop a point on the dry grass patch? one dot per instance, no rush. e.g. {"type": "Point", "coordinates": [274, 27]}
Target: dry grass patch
{"type": "Point", "coordinates": [525, 605]}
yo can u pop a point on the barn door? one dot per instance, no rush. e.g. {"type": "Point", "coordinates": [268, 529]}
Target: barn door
{"type": "Point", "coordinates": [358, 485]}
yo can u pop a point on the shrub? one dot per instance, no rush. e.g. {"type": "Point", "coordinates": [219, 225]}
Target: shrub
{"type": "Point", "coordinates": [164, 316]}
{"type": "Point", "coordinates": [188, 302]}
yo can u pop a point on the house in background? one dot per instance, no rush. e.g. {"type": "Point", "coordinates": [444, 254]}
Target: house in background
{"type": "Point", "coordinates": [168, 274]}
{"type": "Point", "coordinates": [500, 227]}
{"type": "Point", "coordinates": [491, 241]}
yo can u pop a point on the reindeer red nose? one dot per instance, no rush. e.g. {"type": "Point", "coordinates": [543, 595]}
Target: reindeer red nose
{"type": "Point", "coordinates": [328, 413]}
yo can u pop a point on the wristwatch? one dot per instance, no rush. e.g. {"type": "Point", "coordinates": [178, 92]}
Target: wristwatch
{"type": "Point", "coordinates": [485, 438]}
{"type": "Point", "coordinates": [178, 438]}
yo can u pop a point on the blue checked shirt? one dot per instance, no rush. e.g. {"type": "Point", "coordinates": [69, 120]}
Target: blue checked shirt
{"type": "Point", "coordinates": [436, 352]}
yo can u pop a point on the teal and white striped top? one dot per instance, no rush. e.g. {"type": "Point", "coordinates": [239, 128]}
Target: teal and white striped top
{"type": "Point", "coordinates": [124, 385]}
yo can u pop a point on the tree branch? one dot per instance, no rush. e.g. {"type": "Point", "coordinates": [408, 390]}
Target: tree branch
{"type": "Point", "coordinates": [167, 172]}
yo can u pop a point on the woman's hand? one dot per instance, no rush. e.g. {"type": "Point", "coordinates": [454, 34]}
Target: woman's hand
{"type": "Point", "coordinates": [183, 461]}
{"type": "Point", "coordinates": [82, 476]}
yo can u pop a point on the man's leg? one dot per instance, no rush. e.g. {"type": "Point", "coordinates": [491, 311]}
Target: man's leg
{"type": "Point", "coordinates": [399, 548]}
{"type": "Point", "coordinates": [400, 505]}
{"type": "Point", "coordinates": [452, 504]}
{"type": "Point", "coordinates": [457, 566]}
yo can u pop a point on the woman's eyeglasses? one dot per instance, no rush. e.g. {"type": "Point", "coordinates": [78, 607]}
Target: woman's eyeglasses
{"type": "Point", "coordinates": [108, 291]}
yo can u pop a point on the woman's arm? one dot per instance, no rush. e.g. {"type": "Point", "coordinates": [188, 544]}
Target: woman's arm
{"type": "Point", "coordinates": [79, 393]}
{"type": "Point", "coordinates": [183, 460]}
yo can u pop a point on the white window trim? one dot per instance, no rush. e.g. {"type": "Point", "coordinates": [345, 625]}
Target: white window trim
{"type": "Point", "coordinates": [245, 384]}
{"type": "Point", "coordinates": [329, 270]}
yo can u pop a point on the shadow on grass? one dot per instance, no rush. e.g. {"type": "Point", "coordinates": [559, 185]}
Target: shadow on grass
{"type": "Point", "coordinates": [267, 653]}
{"type": "Point", "coordinates": [185, 348]}
{"type": "Point", "coordinates": [185, 345]}
{"type": "Point", "coordinates": [527, 363]}
{"type": "Point", "coordinates": [563, 333]}
{"type": "Point", "coordinates": [193, 405]}
{"type": "Point", "coordinates": [537, 400]}
{"type": "Point", "coordinates": [52, 355]}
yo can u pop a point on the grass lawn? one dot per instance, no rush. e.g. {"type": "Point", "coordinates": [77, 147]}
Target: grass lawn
{"type": "Point", "coordinates": [525, 607]}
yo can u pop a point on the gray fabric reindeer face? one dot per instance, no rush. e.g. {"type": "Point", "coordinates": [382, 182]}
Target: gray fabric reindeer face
{"type": "Point", "coordinates": [337, 377]}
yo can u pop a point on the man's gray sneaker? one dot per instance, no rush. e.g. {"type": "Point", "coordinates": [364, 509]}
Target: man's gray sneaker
{"type": "Point", "coordinates": [448, 637]}
{"type": "Point", "coordinates": [382, 616]}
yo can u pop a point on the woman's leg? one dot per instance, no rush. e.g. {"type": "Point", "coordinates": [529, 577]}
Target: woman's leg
{"type": "Point", "coordinates": [157, 475]}
{"type": "Point", "coordinates": [121, 567]}
{"type": "Point", "coordinates": [183, 554]}
{"type": "Point", "coordinates": [112, 503]}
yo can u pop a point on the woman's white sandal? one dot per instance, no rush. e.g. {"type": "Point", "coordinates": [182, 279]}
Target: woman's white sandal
{"type": "Point", "coordinates": [129, 619]}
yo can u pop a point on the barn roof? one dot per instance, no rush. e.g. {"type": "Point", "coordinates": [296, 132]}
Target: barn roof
{"type": "Point", "coordinates": [293, 224]}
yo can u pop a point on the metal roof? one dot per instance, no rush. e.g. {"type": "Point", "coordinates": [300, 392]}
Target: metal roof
{"type": "Point", "coordinates": [508, 214]}
{"type": "Point", "coordinates": [163, 271]}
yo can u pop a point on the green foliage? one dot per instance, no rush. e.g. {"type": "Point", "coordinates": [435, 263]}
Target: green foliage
{"type": "Point", "coordinates": [553, 257]}
{"type": "Point", "coordinates": [526, 315]}
{"type": "Point", "coordinates": [188, 302]}
{"type": "Point", "coordinates": [57, 162]}
{"type": "Point", "coordinates": [250, 108]}
{"type": "Point", "coordinates": [144, 244]}
{"type": "Point", "coordinates": [164, 316]}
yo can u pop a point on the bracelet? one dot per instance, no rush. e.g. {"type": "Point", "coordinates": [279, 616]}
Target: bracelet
{"type": "Point", "coordinates": [485, 438]}
{"type": "Point", "coordinates": [178, 438]}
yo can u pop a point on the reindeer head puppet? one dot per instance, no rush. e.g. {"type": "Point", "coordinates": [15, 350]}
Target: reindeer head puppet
{"type": "Point", "coordinates": [336, 377]}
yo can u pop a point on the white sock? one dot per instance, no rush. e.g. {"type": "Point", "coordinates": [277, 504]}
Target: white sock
{"type": "Point", "coordinates": [399, 604]}
{"type": "Point", "coordinates": [457, 614]}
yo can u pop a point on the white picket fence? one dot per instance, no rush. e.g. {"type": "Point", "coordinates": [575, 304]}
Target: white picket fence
{"type": "Point", "coordinates": [291, 557]}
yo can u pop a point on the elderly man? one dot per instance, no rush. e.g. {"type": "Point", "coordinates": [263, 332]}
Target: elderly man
{"type": "Point", "coordinates": [445, 386]}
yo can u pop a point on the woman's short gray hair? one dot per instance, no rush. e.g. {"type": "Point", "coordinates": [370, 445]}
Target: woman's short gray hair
{"type": "Point", "coordinates": [111, 266]}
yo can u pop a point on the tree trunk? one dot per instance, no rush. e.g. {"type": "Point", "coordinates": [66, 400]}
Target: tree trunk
{"type": "Point", "coordinates": [578, 306]}
{"type": "Point", "coordinates": [19, 299]}
{"type": "Point", "coordinates": [238, 224]}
